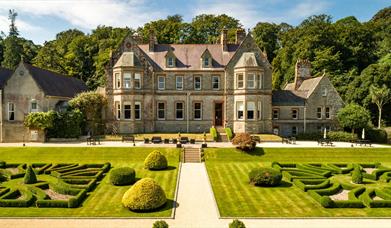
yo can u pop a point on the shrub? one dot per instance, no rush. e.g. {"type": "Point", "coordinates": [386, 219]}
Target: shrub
{"type": "Point", "coordinates": [66, 124]}
{"type": "Point", "coordinates": [30, 177]}
{"type": "Point", "coordinates": [377, 135]}
{"type": "Point", "coordinates": [39, 120]}
{"type": "Point", "coordinates": [237, 224]}
{"type": "Point", "coordinates": [341, 136]}
{"type": "Point", "coordinates": [313, 136]}
{"type": "Point", "coordinates": [265, 177]}
{"type": "Point", "coordinates": [357, 176]}
{"type": "Point", "coordinates": [2, 164]}
{"type": "Point", "coordinates": [213, 133]}
{"type": "Point", "coordinates": [145, 195]}
{"type": "Point", "coordinates": [228, 131]}
{"type": "Point", "coordinates": [160, 224]}
{"type": "Point", "coordinates": [155, 161]}
{"type": "Point", "coordinates": [122, 176]}
{"type": "Point", "coordinates": [244, 142]}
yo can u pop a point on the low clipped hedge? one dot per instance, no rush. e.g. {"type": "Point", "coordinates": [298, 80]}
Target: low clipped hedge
{"type": "Point", "coordinates": [10, 199]}
{"type": "Point", "coordinates": [266, 177]}
{"type": "Point", "coordinates": [376, 135]}
{"type": "Point", "coordinates": [144, 195]}
{"type": "Point", "coordinates": [310, 184]}
{"type": "Point", "coordinates": [122, 176]}
{"type": "Point", "coordinates": [338, 136]}
{"type": "Point", "coordinates": [155, 161]}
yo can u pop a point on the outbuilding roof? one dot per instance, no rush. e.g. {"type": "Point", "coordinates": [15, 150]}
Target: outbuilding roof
{"type": "Point", "coordinates": [286, 98]}
{"type": "Point", "coordinates": [5, 74]}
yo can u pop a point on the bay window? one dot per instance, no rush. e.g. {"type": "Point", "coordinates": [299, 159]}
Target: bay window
{"type": "Point", "coordinates": [127, 80]}
{"type": "Point", "coordinates": [251, 81]}
{"type": "Point", "coordinates": [240, 110]}
{"type": "Point", "coordinates": [250, 110]}
{"type": "Point", "coordinates": [137, 80]}
{"type": "Point", "coordinates": [239, 81]}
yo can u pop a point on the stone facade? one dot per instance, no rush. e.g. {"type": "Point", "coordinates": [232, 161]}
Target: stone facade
{"type": "Point", "coordinates": [191, 87]}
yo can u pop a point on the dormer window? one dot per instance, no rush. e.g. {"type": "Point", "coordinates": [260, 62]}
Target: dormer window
{"type": "Point", "coordinates": [170, 58]}
{"type": "Point", "coordinates": [170, 62]}
{"type": "Point", "coordinates": [207, 62]}
{"type": "Point", "coordinates": [206, 59]}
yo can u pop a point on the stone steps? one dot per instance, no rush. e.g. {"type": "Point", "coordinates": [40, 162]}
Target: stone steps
{"type": "Point", "coordinates": [191, 155]}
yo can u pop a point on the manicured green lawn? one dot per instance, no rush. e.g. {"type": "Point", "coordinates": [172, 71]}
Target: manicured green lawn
{"type": "Point", "coordinates": [228, 172]}
{"type": "Point", "coordinates": [105, 200]}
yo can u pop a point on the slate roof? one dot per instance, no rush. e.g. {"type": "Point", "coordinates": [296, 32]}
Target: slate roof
{"type": "Point", "coordinates": [54, 84]}
{"type": "Point", "coordinates": [188, 56]}
{"type": "Point", "coordinates": [306, 88]}
{"type": "Point", "coordinates": [286, 98]}
{"type": "Point", "coordinates": [5, 74]}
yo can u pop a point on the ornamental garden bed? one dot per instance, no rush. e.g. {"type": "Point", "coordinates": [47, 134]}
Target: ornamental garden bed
{"type": "Point", "coordinates": [315, 182]}
{"type": "Point", "coordinates": [74, 182]}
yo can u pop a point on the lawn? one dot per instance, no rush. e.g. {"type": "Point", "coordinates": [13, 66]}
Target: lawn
{"type": "Point", "coordinates": [105, 200]}
{"type": "Point", "coordinates": [228, 172]}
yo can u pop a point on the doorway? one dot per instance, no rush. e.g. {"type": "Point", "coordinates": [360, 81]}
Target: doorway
{"type": "Point", "coordinates": [218, 118]}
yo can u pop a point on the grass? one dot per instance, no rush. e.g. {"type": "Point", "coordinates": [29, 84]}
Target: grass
{"type": "Point", "coordinates": [105, 200]}
{"type": "Point", "coordinates": [228, 171]}
{"type": "Point", "coordinates": [269, 137]}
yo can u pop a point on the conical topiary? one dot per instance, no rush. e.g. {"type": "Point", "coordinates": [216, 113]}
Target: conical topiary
{"type": "Point", "coordinates": [357, 176]}
{"type": "Point", "coordinates": [155, 161]}
{"type": "Point", "coordinates": [30, 177]}
{"type": "Point", "coordinates": [144, 195]}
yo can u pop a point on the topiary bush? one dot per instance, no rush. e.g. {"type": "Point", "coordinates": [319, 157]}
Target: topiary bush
{"type": "Point", "coordinates": [30, 177]}
{"type": "Point", "coordinates": [267, 177]}
{"type": "Point", "coordinates": [236, 224]}
{"type": "Point", "coordinates": [160, 224]}
{"type": "Point", "coordinates": [122, 176]}
{"type": "Point", "coordinates": [244, 142]}
{"type": "Point", "coordinates": [144, 195]}
{"type": "Point", "coordinates": [155, 161]}
{"type": "Point", "coordinates": [357, 176]}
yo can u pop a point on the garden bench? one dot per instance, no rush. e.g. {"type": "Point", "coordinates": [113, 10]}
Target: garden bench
{"type": "Point", "coordinates": [184, 140]}
{"type": "Point", "coordinates": [128, 139]}
{"type": "Point", "coordinates": [166, 141]}
{"type": "Point", "coordinates": [146, 140]}
{"type": "Point", "coordinates": [325, 142]}
{"type": "Point", "coordinates": [156, 139]}
{"type": "Point", "coordinates": [284, 140]}
{"type": "Point", "coordinates": [174, 141]}
{"type": "Point", "coordinates": [363, 142]}
{"type": "Point", "coordinates": [192, 141]}
{"type": "Point", "coordinates": [93, 140]}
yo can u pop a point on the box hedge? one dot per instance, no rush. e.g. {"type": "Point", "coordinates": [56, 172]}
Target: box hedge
{"type": "Point", "coordinates": [122, 176]}
{"type": "Point", "coordinates": [155, 161]}
{"type": "Point", "coordinates": [267, 177]}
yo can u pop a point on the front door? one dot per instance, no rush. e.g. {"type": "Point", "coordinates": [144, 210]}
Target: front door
{"type": "Point", "coordinates": [218, 114]}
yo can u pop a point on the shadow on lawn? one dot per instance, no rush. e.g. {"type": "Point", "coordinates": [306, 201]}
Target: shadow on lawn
{"type": "Point", "coordinates": [170, 204]}
{"type": "Point", "coordinates": [257, 152]}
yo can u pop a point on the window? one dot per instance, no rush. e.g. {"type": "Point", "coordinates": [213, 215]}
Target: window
{"type": "Point", "coordinates": [250, 110]}
{"type": "Point", "coordinates": [324, 91]}
{"type": "Point", "coordinates": [240, 110]}
{"type": "Point", "coordinates": [260, 80]}
{"type": "Point", "coordinates": [137, 80]}
{"type": "Point", "coordinates": [251, 81]}
{"type": "Point", "coordinates": [161, 83]}
{"type": "Point", "coordinates": [206, 62]}
{"type": "Point", "coordinates": [276, 114]}
{"type": "Point", "coordinates": [161, 112]}
{"type": "Point", "coordinates": [117, 77]}
{"type": "Point", "coordinates": [137, 110]}
{"type": "Point", "coordinates": [327, 112]}
{"type": "Point", "coordinates": [127, 111]}
{"type": "Point", "coordinates": [127, 80]}
{"type": "Point", "coordinates": [179, 82]}
{"type": "Point", "coordinates": [259, 111]}
{"type": "Point", "coordinates": [34, 106]}
{"type": "Point", "coordinates": [11, 111]}
{"type": "Point", "coordinates": [239, 81]}
{"type": "Point", "coordinates": [118, 110]}
{"type": "Point", "coordinates": [294, 130]}
{"type": "Point", "coordinates": [295, 114]}
{"type": "Point", "coordinates": [170, 62]}
{"type": "Point", "coordinates": [179, 110]}
{"type": "Point", "coordinates": [197, 111]}
{"type": "Point", "coordinates": [197, 82]}
{"type": "Point", "coordinates": [319, 112]}
{"type": "Point", "coordinates": [215, 82]}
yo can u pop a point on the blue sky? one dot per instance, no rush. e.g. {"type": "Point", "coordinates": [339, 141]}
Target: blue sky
{"type": "Point", "coordinates": [41, 20]}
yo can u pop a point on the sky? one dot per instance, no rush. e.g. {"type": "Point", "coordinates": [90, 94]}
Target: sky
{"type": "Point", "coordinates": [41, 20]}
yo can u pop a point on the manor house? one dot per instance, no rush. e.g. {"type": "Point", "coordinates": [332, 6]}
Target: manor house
{"type": "Point", "coordinates": [191, 87]}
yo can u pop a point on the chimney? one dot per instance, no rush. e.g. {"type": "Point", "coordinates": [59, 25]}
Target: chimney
{"type": "Point", "coordinates": [137, 38]}
{"type": "Point", "coordinates": [240, 35]}
{"type": "Point", "coordinates": [152, 40]}
{"type": "Point", "coordinates": [302, 71]}
{"type": "Point", "coordinates": [224, 39]}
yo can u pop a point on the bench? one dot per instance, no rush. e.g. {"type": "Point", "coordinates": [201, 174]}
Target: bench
{"type": "Point", "coordinates": [156, 139]}
{"type": "Point", "coordinates": [288, 140]}
{"type": "Point", "coordinates": [128, 139]}
{"type": "Point", "coordinates": [325, 142]}
{"type": "Point", "coordinates": [363, 142]}
{"type": "Point", "coordinates": [92, 140]}
{"type": "Point", "coordinates": [184, 140]}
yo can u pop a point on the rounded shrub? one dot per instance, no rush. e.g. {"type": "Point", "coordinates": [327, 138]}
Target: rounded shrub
{"type": "Point", "coordinates": [357, 176]}
{"type": "Point", "coordinates": [144, 195]}
{"type": "Point", "coordinates": [244, 142]}
{"type": "Point", "coordinates": [30, 177]}
{"type": "Point", "coordinates": [236, 224]}
{"type": "Point", "coordinates": [122, 176]}
{"type": "Point", "coordinates": [267, 177]}
{"type": "Point", "coordinates": [2, 164]}
{"type": "Point", "coordinates": [160, 224]}
{"type": "Point", "coordinates": [155, 161]}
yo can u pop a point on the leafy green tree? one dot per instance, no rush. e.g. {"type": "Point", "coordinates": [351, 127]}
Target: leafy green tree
{"type": "Point", "coordinates": [353, 116]}
{"type": "Point", "coordinates": [39, 120]}
{"type": "Point", "coordinates": [380, 96]}
{"type": "Point", "coordinates": [266, 37]}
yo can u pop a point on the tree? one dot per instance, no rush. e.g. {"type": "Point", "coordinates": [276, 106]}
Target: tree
{"type": "Point", "coordinates": [266, 36]}
{"type": "Point", "coordinates": [353, 116]}
{"type": "Point", "coordinates": [380, 96]}
{"type": "Point", "coordinates": [12, 14]}
{"type": "Point", "coordinates": [39, 120]}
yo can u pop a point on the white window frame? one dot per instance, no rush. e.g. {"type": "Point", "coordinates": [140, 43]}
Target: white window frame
{"type": "Point", "coordinates": [324, 91]}
{"type": "Point", "coordinates": [117, 79]}
{"type": "Point", "coordinates": [319, 112]}
{"type": "Point", "coordinates": [118, 113]}
{"type": "Point", "coordinates": [250, 109]}
{"type": "Point", "coordinates": [129, 104]}
{"type": "Point", "coordinates": [195, 83]}
{"type": "Point", "coordinates": [179, 82]}
{"type": "Point", "coordinates": [207, 62]}
{"type": "Point", "coordinates": [137, 80]}
{"type": "Point", "coordinates": [218, 82]}
{"type": "Point", "coordinates": [159, 109]}
{"type": "Point", "coordinates": [182, 110]}
{"type": "Point", "coordinates": [260, 80]}
{"type": "Point", "coordinates": [127, 80]}
{"type": "Point", "coordinates": [240, 110]}
{"type": "Point", "coordinates": [161, 85]}
{"type": "Point", "coordinates": [11, 111]}
{"type": "Point", "coordinates": [170, 61]}
{"type": "Point", "coordinates": [259, 113]}
{"type": "Point", "coordinates": [137, 111]}
{"type": "Point", "coordinates": [240, 82]}
{"type": "Point", "coordinates": [36, 106]}
{"type": "Point", "coordinates": [252, 81]}
{"type": "Point", "coordinates": [194, 111]}
{"type": "Point", "coordinates": [297, 113]}
{"type": "Point", "coordinates": [327, 112]}
{"type": "Point", "coordinates": [275, 110]}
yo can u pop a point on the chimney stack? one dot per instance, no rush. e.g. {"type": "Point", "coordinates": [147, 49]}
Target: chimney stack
{"type": "Point", "coordinates": [302, 71]}
{"type": "Point", "coordinates": [224, 39]}
{"type": "Point", "coordinates": [152, 40]}
{"type": "Point", "coordinates": [240, 35]}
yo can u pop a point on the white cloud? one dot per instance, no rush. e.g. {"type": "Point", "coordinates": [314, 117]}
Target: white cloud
{"type": "Point", "coordinates": [21, 24]}
{"type": "Point", "coordinates": [88, 14]}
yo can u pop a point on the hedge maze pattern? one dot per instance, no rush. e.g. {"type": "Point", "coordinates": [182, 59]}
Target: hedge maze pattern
{"type": "Point", "coordinates": [68, 186]}
{"type": "Point", "coordinates": [321, 183]}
